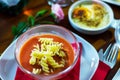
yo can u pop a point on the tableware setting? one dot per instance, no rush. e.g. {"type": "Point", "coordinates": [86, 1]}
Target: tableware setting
{"type": "Point", "coordinates": [108, 60]}
{"type": "Point", "coordinates": [110, 56]}
{"type": "Point", "coordinates": [56, 52]}
{"type": "Point", "coordinates": [86, 61]}
{"type": "Point", "coordinates": [83, 16]}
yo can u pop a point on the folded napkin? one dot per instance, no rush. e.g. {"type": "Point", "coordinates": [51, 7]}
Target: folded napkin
{"type": "Point", "coordinates": [72, 75]}
{"type": "Point", "coordinates": [101, 71]}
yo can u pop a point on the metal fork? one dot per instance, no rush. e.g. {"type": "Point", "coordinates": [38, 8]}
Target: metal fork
{"type": "Point", "coordinates": [110, 55]}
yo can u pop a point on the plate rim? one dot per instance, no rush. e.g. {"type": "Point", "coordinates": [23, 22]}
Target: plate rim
{"type": "Point", "coordinates": [97, 57]}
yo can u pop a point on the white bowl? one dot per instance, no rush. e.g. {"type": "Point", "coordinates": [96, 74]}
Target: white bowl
{"type": "Point", "coordinates": [90, 31]}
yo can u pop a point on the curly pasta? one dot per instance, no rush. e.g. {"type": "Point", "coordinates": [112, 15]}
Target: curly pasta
{"type": "Point", "coordinates": [44, 54]}
{"type": "Point", "coordinates": [61, 54]}
{"type": "Point", "coordinates": [36, 71]}
{"type": "Point", "coordinates": [53, 63]}
{"type": "Point", "coordinates": [37, 47]}
{"type": "Point", "coordinates": [44, 65]}
{"type": "Point", "coordinates": [32, 60]}
{"type": "Point", "coordinates": [62, 61]}
{"type": "Point", "coordinates": [46, 40]}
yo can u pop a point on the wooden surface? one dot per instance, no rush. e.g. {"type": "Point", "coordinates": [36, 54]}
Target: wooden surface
{"type": "Point", "coordinates": [98, 41]}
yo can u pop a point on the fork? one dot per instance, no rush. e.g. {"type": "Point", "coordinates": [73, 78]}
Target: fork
{"type": "Point", "coordinates": [107, 62]}
{"type": "Point", "coordinates": [110, 55]}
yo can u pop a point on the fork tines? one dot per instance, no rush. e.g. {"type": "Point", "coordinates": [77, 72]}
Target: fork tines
{"type": "Point", "coordinates": [111, 53]}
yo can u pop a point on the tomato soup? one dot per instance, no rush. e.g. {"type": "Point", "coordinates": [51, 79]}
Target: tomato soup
{"type": "Point", "coordinates": [28, 46]}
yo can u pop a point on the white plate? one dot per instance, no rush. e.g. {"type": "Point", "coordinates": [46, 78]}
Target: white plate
{"type": "Point", "coordinates": [112, 2]}
{"type": "Point", "coordinates": [89, 61]}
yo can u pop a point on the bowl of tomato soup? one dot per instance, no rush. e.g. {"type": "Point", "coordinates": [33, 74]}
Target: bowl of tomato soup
{"type": "Point", "coordinates": [46, 52]}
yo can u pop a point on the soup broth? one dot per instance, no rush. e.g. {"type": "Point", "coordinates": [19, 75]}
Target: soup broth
{"type": "Point", "coordinates": [29, 46]}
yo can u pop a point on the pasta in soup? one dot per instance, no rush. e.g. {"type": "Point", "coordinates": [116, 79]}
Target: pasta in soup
{"type": "Point", "coordinates": [46, 54]}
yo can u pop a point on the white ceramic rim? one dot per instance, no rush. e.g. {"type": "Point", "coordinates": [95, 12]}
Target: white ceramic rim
{"type": "Point", "coordinates": [108, 8]}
